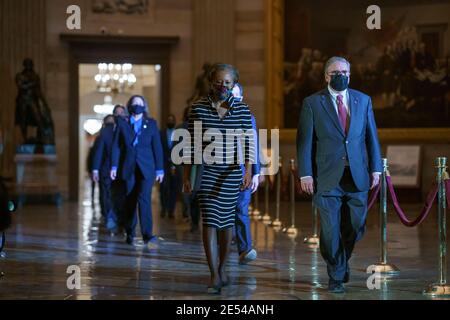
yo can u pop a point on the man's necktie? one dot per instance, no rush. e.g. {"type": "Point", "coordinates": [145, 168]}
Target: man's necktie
{"type": "Point", "coordinates": [342, 113]}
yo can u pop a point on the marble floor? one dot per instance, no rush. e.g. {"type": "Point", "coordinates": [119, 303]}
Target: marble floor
{"type": "Point", "coordinates": [46, 241]}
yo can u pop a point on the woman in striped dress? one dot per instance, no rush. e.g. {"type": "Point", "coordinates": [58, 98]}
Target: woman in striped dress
{"type": "Point", "coordinates": [221, 118]}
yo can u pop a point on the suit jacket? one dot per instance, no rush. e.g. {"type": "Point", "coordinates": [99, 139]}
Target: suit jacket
{"type": "Point", "coordinates": [147, 154]}
{"type": "Point", "coordinates": [102, 151]}
{"type": "Point", "coordinates": [323, 148]}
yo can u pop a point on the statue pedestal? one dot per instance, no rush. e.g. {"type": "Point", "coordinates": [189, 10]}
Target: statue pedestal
{"type": "Point", "coordinates": [36, 180]}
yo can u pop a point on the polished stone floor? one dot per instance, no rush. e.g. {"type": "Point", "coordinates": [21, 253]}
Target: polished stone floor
{"type": "Point", "coordinates": [45, 241]}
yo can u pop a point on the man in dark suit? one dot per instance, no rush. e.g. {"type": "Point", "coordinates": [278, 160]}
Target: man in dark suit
{"type": "Point", "coordinates": [170, 185]}
{"type": "Point", "coordinates": [101, 166]}
{"type": "Point", "coordinates": [137, 146]}
{"type": "Point", "coordinates": [111, 201]}
{"type": "Point", "coordinates": [339, 161]}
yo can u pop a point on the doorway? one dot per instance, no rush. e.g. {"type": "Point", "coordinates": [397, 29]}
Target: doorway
{"type": "Point", "coordinates": [101, 87]}
{"type": "Point", "coordinates": [94, 49]}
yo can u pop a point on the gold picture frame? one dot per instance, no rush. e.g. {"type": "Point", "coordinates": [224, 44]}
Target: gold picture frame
{"type": "Point", "coordinates": [274, 30]}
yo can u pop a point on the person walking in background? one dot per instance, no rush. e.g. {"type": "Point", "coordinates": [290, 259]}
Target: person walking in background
{"type": "Point", "coordinates": [137, 146]}
{"type": "Point", "coordinates": [242, 229]}
{"type": "Point", "coordinates": [169, 186]}
{"type": "Point", "coordinates": [101, 166]}
{"type": "Point", "coordinates": [89, 167]}
{"type": "Point", "coordinates": [187, 210]}
{"type": "Point", "coordinates": [339, 161]}
{"type": "Point", "coordinates": [222, 174]}
{"type": "Point", "coordinates": [118, 186]}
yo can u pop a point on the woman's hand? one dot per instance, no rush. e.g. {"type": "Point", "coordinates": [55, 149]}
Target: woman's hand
{"type": "Point", "coordinates": [247, 181]}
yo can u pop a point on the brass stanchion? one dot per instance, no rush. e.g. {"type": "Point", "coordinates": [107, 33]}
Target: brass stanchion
{"type": "Point", "coordinates": [277, 223]}
{"type": "Point", "coordinates": [314, 239]}
{"type": "Point", "coordinates": [442, 288]}
{"type": "Point", "coordinates": [292, 230]}
{"type": "Point", "coordinates": [383, 266]}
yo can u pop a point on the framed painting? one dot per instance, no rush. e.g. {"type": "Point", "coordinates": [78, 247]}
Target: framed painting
{"type": "Point", "coordinates": [404, 165]}
{"type": "Point", "coordinates": [404, 66]}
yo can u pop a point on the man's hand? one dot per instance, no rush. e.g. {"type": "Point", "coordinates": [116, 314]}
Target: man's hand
{"type": "Point", "coordinates": [255, 183]}
{"type": "Point", "coordinates": [95, 175]}
{"type": "Point", "coordinates": [375, 180]}
{"type": "Point", "coordinates": [187, 187]}
{"type": "Point", "coordinates": [160, 178]}
{"type": "Point", "coordinates": [307, 185]}
{"type": "Point", "coordinates": [113, 174]}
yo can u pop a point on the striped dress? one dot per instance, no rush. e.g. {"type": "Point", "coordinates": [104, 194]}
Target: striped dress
{"type": "Point", "coordinates": [222, 171]}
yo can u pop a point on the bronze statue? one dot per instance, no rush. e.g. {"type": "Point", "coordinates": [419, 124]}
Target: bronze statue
{"type": "Point", "coordinates": [31, 107]}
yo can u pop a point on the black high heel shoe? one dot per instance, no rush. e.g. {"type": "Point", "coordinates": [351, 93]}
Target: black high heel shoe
{"type": "Point", "coordinates": [214, 290]}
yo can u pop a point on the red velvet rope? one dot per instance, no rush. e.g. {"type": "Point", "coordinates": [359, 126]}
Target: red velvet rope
{"type": "Point", "coordinates": [425, 211]}
{"type": "Point", "coordinates": [374, 195]}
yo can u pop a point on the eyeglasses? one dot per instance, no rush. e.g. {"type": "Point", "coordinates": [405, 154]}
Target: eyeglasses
{"type": "Point", "coordinates": [335, 73]}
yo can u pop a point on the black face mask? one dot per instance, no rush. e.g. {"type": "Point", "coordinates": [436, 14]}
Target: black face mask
{"type": "Point", "coordinates": [221, 92]}
{"type": "Point", "coordinates": [339, 82]}
{"type": "Point", "coordinates": [171, 125]}
{"type": "Point", "coordinates": [136, 109]}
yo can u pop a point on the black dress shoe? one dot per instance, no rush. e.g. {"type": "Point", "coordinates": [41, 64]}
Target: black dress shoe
{"type": "Point", "coordinates": [336, 287]}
